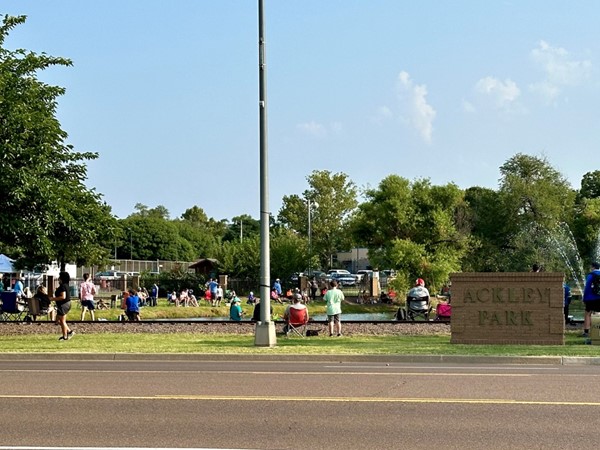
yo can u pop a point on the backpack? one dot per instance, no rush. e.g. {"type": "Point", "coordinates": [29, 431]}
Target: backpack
{"type": "Point", "coordinates": [595, 283]}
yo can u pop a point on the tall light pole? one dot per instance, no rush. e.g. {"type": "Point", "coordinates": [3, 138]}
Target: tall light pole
{"type": "Point", "coordinates": [310, 206]}
{"type": "Point", "coordinates": [265, 328]}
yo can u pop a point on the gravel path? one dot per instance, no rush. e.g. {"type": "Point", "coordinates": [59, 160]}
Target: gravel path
{"type": "Point", "coordinates": [349, 329]}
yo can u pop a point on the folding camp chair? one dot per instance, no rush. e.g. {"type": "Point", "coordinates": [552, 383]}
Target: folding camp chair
{"type": "Point", "coordinates": [297, 322]}
{"type": "Point", "coordinates": [12, 309]}
{"type": "Point", "coordinates": [415, 307]}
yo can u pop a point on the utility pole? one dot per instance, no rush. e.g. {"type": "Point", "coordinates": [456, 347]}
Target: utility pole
{"type": "Point", "coordinates": [265, 328]}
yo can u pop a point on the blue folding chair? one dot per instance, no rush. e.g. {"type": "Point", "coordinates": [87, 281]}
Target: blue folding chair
{"type": "Point", "coordinates": [11, 309]}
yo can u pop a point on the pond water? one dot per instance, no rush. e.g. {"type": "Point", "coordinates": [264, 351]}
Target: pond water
{"type": "Point", "coordinates": [366, 317]}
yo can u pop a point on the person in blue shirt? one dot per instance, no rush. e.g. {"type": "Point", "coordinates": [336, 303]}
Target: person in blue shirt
{"type": "Point", "coordinates": [154, 295]}
{"type": "Point", "coordinates": [19, 287]}
{"type": "Point", "coordinates": [212, 287]}
{"type": "Point", "coordinates": [235, 311]}
{"type": "Point", "coordinates": [132, 306]}
{"type": "Point", "coordinates": [277, 287]}
{"type": "Point", "coordinates": [590, 299]}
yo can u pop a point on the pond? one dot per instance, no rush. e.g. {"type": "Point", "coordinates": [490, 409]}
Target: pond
{"type": "Point", "coordinates": [365, 317]}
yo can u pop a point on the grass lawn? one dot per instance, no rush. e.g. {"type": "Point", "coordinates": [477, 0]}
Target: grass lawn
{"type": "Point", "coordinates": [319, 345]}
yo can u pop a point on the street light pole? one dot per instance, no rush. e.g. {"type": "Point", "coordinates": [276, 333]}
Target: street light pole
{"type": "Point", "coordinates": [265, 328]}
{"type": "Point", "coordinates": [131, 244]}
{"type": "Point", "coordinates": [309, 240]}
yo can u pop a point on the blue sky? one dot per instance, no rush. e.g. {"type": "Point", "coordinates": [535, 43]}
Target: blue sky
{"type": "Point", "coordinates": [167, 92]}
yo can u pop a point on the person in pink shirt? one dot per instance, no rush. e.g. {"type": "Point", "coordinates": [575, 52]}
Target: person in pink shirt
{"type": "Point", "coordinates": [87, 290]}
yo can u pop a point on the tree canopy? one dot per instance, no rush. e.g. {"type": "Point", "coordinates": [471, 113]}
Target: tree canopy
{"type": "Point", "coordinates": [46, 211]}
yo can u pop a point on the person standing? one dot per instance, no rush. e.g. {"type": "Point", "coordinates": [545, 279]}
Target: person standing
{"type": "Point", "coordinates": [132, 306]}
{"type": "Point", "coordinates": [314, 287]}
{"type": "Point", "coordinates": [212, 287]}
{"type": "Point", "coordinates": [62, 297]}
{"type": "Point", "coordinates": [87, 290]}
{"type": "Point", "coordinates": [334, 298]}
{"type": "Point", "coordinates": [154, 295]}
{"type": "Point", "coordinates": [277, 287]}
{"type": "Point", "coordinates": [591, 298]}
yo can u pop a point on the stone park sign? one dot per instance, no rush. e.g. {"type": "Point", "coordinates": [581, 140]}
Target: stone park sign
{"type": "Point", "coordinates": [507, 308]}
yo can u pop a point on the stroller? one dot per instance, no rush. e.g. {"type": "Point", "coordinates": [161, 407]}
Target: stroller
{"type": "Point", "coordinates": [443, 311]}
{"type": "Point", "coordinates": [415, 307]}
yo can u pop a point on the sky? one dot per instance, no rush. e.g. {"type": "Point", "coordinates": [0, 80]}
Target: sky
{"type": "Point", "coordinates": [167, 92]}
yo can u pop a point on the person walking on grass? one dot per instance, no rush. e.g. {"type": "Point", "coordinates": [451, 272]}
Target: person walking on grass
{"type": "Point", "coordinates": [87, 290]}
{"type": "Point", "coordinates": [591, 298]}
{"type": "Point", "coordinates": [334, 298]}
{"type": "Point", "coordinates": [62, 297]}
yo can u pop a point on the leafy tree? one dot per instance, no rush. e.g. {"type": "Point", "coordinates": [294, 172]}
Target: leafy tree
{"type": "Point", "coordinates": [158, 212]}
{"type": "Point", "coordinates": [412, 228]}
{"type": "Point", "coordinates": [242, 227]}
{"type": "Point", "coordinates": [289, 253]}
{"type": "Point", "coordinates": [536, 199]}
{"type": "Point", "coordinates": [487, 225]}
{"type": "Point", "coordinates": [240, 259]}
{"type": "Point", "coordinates": [590, 185]}
{"type": "Point", "coordinates": [152, 238]}
{"type": "Point", "coordinates": [333, 199]}
{"type": "Point", "coordinates": [44, 205]}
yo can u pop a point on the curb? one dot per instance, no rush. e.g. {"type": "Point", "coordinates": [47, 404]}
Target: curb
{"type": "Point", "coordinates": [430, 359]}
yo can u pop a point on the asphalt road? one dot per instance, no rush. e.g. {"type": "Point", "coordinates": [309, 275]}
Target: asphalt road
{"type": "Point", "coordinates": [277, 405]}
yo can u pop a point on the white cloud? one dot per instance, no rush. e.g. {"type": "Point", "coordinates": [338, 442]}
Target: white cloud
{"type": "Point", "coordinates": [318, 130]}
{"type": "Point", "coordinates": [312, 128]}
{"type": "Point", "coordinates": [382, 114]}
{"type": "Point", "coordinates": [491, 93]}
{"type": "Point", "coordinates": [413, 101]}
{"type": "Point", "coordinates": [560, 70]}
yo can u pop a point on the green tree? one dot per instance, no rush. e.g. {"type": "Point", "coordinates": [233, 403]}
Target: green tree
{"type": "Point", "coordinates": [590, 185]}
{"type": "Point", "coordinates": [412, 228]}
{"type": "Point", "coordinates": [242, 227]}
{"type": "Point", "coordinates": [333, 199]}
{"type": "Point", "coordinates": [151, 238]}
{"type": "Point", "coordinates": [487, 222]}
{"type": "Point", "coordinates": [536, 200]}
{"type": "Point", "coordinates": [44, 205]}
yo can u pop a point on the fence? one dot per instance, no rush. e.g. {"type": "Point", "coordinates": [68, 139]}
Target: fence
{"type": "Point", "coordinates": [138, 266]}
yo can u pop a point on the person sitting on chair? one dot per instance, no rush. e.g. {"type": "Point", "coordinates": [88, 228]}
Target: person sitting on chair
{"type": "Point", "coordinates": [296, 314]}
{"type": "Point", "coordinates": [45, 305]}
{"type": "Point", "coordinates": [419, 293]}
{"type": "Point", "coordinates": [235, 310]}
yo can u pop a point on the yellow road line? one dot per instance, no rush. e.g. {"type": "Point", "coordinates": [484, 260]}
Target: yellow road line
{"type": "Point", "coordinates": [473, 401]}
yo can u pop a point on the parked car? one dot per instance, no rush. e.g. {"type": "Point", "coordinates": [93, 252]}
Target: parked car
{"type": "Point", "coordinates": [343, 279]}
{"type": "Point", "coordinates": [110, 275]}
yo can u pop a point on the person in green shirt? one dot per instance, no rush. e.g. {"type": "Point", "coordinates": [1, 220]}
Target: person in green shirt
{"type": "Point", "coordinates": [334, 298]}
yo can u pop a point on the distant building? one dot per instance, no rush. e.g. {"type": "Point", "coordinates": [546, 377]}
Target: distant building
{"type": "Point", "coordinates": [354, 259]}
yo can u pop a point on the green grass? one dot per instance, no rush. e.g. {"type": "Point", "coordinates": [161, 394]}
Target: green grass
{"type": "Point", "coordinates": [166, 311]}
{"type": "Point", "coordinates": [320, 345]}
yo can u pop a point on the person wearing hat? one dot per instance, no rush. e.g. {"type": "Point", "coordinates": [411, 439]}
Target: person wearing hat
{"type": "Point", "coordinates": [235, 310]}
{"type": "Point", "coordinates": [419, 291]}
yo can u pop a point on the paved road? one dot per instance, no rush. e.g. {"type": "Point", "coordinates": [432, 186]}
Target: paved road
{"type": "Point", "coordinates": [329, 405]}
